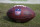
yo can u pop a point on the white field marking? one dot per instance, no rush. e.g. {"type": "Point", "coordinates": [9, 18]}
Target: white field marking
{"type": "Point", "coordinates": [22, 2]}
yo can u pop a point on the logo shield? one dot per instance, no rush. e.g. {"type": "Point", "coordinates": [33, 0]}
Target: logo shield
{"type": "Point", "coordinates": [17, 11]}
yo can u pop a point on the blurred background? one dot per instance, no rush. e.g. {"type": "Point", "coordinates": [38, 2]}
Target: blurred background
{"type": "Point", "coordinates": [21, 1]}
{"type": "Point", "coordinates": [5, 5]}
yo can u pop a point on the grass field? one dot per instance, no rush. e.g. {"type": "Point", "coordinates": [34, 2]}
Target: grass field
{"type": "Point", "coordinates": [6, 22]}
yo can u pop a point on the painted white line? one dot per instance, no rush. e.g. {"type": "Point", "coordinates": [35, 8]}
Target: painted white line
{"type": "Point", "coordinates": [23, 2]}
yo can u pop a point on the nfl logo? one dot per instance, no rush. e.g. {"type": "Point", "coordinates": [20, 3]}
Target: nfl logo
{"type": "Point", "coordinates": [17, 11]}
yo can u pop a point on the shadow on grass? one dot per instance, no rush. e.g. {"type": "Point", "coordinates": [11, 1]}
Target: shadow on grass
{"type": "Point", "coordinates": [8, 19]}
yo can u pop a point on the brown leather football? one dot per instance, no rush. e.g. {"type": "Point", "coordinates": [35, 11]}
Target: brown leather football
{"type": "Point", "coordinates": [21, 13]}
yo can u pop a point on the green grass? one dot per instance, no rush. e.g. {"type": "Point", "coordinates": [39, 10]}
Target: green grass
{"type": "Point", "coordinates": [6, 22]}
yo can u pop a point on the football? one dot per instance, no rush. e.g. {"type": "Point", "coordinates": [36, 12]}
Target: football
{"type": "Point", "coordinates": [21, 13]}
